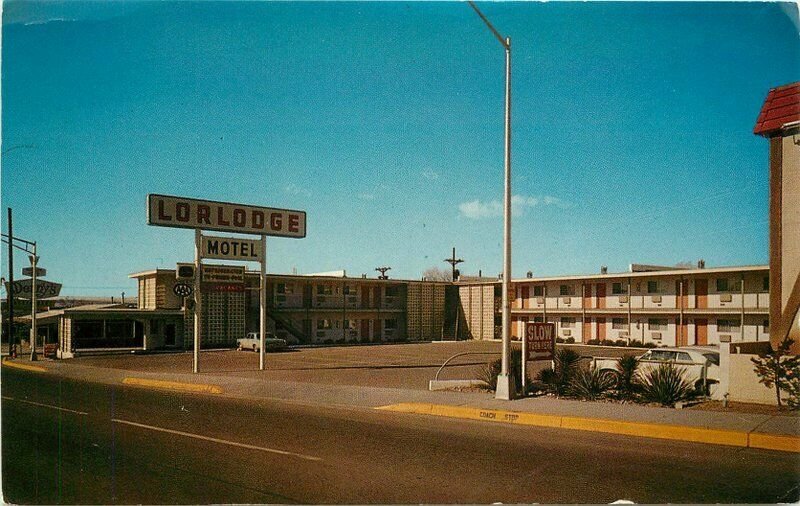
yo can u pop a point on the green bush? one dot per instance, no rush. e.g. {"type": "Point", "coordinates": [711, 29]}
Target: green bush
{"type": "Point", "coordinates": [666, 385]}
{"type": "Point", "coordinates": [559, 339]}
{"type": "Point", "coordinates": [557, 381]}
{"type": "Point", "coordinates": [626, 376]}
{"type": "Point", "coordinates": [593, 341]}
{"type": "Point", "coordinates": [635, 343]}
{"type": "Point", "coordinates": [589, 383]}
{"type": "Point", "coordinates": [569, 340]}
{"type": "Point", "coordinates": [649, 345]}
{"type": "Point", "coordinates": [776, 367]}
{"type": "Point", "coordinates": [491, 371]}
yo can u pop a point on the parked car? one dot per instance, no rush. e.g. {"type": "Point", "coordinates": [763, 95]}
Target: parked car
{"type": "Point", "coordinates": [700, 364]}
{"type": "Point", "coordinates": [253, 342]}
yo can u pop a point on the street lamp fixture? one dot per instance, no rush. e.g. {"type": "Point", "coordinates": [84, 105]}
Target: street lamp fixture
{"type": "Point", "coordinates": [505, 382]}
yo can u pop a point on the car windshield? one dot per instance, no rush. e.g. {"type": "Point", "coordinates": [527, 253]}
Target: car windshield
{"type": "Point", "coordinates": [712, 357]}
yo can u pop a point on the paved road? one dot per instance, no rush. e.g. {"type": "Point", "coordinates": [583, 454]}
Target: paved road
{"type": "Point", "coordinates": [113, 444]}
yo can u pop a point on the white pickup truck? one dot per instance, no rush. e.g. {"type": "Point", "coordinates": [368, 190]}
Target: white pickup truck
{"type": "Point", "coordinates": [699, 364]}
{"type": "Point", "coordinates": [253, 342]}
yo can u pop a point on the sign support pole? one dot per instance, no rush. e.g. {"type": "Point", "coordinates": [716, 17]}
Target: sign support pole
{"type": "Point", "coordinates": [34, 261]}
{"type": "Point", "coordinates": [262, 309]}
{"type": "Point", "coordinates": [198, 301]}
{"type": "Point", "coordinates": [525, 360]}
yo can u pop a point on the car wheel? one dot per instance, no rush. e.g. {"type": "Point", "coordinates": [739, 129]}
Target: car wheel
{"type": "Point", "coordinates": [254, 348]}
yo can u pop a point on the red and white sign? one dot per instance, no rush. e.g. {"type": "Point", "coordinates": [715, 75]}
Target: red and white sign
{"type": "Point", "coordinates": [541, 340]}
{"type": "Point", "coordinates": [181, 212]}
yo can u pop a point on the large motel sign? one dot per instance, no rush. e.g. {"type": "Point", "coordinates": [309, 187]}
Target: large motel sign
{"type": "Point", "coordinates": [182, 212]}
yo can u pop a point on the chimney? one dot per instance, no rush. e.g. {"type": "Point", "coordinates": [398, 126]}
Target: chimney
{"type": "Point", "coordinates": [701, 264]}
{"type": "Point", "coordinates": [529, 274]}
{"type": "Point", "coordinates": [603, 269]}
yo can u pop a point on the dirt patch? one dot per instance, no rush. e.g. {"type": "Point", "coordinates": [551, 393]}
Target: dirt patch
{"type": "Point", "coordinates": [745, 407]}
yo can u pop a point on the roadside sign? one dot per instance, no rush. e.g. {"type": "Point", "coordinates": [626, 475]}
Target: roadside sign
{"type": "Point", "coordinates": [23, 288]}
{"type": "Point", "coordinates": [182, 212]}
{"type": "Point", "coordinates": [541, 340]}
{"type": "Point", "coordinates": [230, 248]}
{"type": "Point", "coordinates": [223, 287]}
{"type": "Point", "coordinates": [182, 289]}
{"type": "Point", "coordinates": [28, 271]}
{"type": "Point", "coordinates": [231, 274]}
{"type": "Point", "coordinates": [50, 350]}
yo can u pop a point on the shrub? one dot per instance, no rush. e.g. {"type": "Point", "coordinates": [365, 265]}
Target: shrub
{"type": "Point", "coordinates": [491, 371]}
{"type": "Point", "coordinates": [569, 340]}
{"type": "Point", "coordinates": [650, 345]}
{"type": "Point", "coordinates": [627, 367]}
{"type": "Point", "coordinates": [559, 339]}
{"type": "Point", "coordinates": [593, 341]}
{"type": "Point", "coordinates": [666, 385]}
{"type": "Point", "coordinates": [635, 343]}
{"type": "Point", "coordinates": [557, 381]}
{"type": "Point", "coordinates": [328, 341]}
{"type": "Point", "coordinates": [589, 383]}
{"type": "Point", "coordinates": [775, 367]}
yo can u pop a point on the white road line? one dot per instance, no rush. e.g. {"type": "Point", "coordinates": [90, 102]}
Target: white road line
{"type": "Point", "coordinates": [215, 440]}
{"type": "Point", "coordinates": [46, 406]}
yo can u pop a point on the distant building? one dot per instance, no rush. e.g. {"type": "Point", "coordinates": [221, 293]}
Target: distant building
{"type": "Point", "coordinates": [779, 121]}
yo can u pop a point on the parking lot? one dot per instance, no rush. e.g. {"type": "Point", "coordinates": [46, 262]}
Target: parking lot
{"type": "Point", "coordinates": [387, 365]}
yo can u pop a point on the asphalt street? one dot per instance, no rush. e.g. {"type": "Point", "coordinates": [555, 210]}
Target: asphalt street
{"type": "Point", "coordinates": [73, 442]}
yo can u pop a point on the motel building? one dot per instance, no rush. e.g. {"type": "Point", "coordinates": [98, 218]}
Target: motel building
{"type": "Point", "coordinates": [650, 304]}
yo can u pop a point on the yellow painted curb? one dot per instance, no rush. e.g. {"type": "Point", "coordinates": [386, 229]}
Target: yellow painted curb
{"type": "Point", "coordinates": [26, 367]}
{"type": "Point", "coordinates": [775, 442]}
{"type": "Point", "coordinates": [173, 385]}
{"type": "Point", "coordinates": [652, 430]}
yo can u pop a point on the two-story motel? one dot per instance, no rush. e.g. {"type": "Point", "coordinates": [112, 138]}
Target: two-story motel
{"type": "Point", "coordinates": [666, 307]}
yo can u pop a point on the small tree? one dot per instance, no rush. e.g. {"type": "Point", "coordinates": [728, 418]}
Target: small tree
{"type": "Point", "coordinates": [775, 367]}
{"type": "Point", "coordinates": [437, 274]}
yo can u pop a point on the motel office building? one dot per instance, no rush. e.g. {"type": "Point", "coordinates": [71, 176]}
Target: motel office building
{"type": "Point", "coordinates": [666, 307]}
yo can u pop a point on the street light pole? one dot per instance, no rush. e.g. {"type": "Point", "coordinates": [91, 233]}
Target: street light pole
{"type": "Point", "coordinates": [505, 381]}
{"type": "Point", "coordinates": [34, 330]}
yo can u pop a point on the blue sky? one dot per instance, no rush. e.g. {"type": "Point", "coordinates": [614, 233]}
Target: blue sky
{"type": "Point", "coordinates": [632, 131]}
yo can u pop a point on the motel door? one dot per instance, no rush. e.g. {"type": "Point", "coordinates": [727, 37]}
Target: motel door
{"type": "Point", "coordinates": [601, 295]}
{"type": "Point", "coordinates": [587, 297]}
{"type": "Point", "coordinates": [701, 290]}
{"type": "Point", "coordinates": [601, 328]}
{"type": "Point", "coordinates": [525, 292]}
{"type": "Point", "coordinates": [683, 334]}
{"type": "Point", "coordinates": [365, 303]}
{"type": "Point", "coordinates": [701, 329]}
{"type": "Point", "coordinates": [169, 334]}
{"type": "Point", "coordinates": [587, 329]}
{"type": "Point", "coordinates": [376, 296]}
{"type": "Point", "coordinates": [364, 327]}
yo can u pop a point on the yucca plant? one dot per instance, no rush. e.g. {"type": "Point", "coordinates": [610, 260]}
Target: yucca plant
{"type": "Point", "coordinates": [491, 371]}
{"type": "Point", "coordinates": [626, 378]}
{"type": "Point", "coordinates": [590, 383]}
{"type": "Point", "coordinates": [557, 380]}
{"type": "Point", "coordinates": [666, 385]}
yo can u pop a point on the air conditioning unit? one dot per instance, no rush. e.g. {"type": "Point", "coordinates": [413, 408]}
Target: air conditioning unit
{"type": "Point", "coordinates": [566, 300]}
{"type": "Point", "coordinates": [540, 300]}
{"type": "Point", "coordinates": [623, 334]}
{"type": "Point", "coordinates": [623, 299]}
{"type": "Point", "coordinates": [567, 333]}
{"type": "Point", "coordinates": [726, 297]}
{"type": "Point", "coordinates": [656, 336]}
{"type": "Point", "coordinates": [656, 298]}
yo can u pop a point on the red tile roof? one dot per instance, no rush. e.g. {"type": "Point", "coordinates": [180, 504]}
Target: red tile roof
{"type": "Point", "coordinates": [781, 107]}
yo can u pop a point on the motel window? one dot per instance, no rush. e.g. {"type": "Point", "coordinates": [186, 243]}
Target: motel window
{"type": "Point", "coordinates": [391, 291]}
{"type": "Point", "coordinates": [722, 285]}
{"type": "Point", "coordinates": [567, 290]}
{"type": "Point", "coordinates": [618, 323]}
{"type": "Point", "coordinates": [284, 288]}
{"type": "Point", "coordinates": [390, 324]}
{"type": "Point", "coordinates": [652, 287]}
{"type": "Point", "coordinates": [538, 291]}
{"type": "Point", "coordinates": [567, 323]}
{"type": "Point", "coordinates": [765, 284]}
{"type": "Point", "coordinates": [346, 290]}
{"type": "Point", "coordinates": [324, 290]}
{"type": "Point", "coordinates": [538, 319]}
{"type": "Point", "coordinates": [765, 325]}
{"type": "Point", "coordinates": [728, 325]}
{"type": "Point", "coordinates": [351, 324]}
{"type": "Point", "coordinates": [616, 288]}
{"type": "Point", "coordinates": [657, 324]}
{"type": "Point", "coordinates": [324, 324]}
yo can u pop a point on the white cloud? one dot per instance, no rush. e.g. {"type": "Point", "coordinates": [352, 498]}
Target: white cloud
{"type": "Point", "coordinates": [477, 209]}
{"type": "Point", "coordinates": [293, 189]}
{"type": "Point", "coordinates": [429, 174]}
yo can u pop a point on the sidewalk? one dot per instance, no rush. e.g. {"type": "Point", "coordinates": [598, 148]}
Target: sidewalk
{"type": "Point", "coordinates": [738, 429]}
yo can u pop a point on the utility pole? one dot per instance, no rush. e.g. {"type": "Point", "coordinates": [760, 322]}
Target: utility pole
{"type": "Point", "coordinates": [505, 383]}
{"type": "Point", "coordinates": [10, 291]}
{"type": "Point", "coordinates": [453, 261]}
{"type": "Point", "coordinates": [34, 260]}
{"type": "Point", "coordinates": [383, 270]}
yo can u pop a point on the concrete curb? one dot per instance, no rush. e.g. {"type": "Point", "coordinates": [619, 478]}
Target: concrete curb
{"type": "Point", "coordinates": [202, 388]}
{"type": "Point", "coordinates": [638, 429]}
{"type": "Point", "coordinates": [25, 367]}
